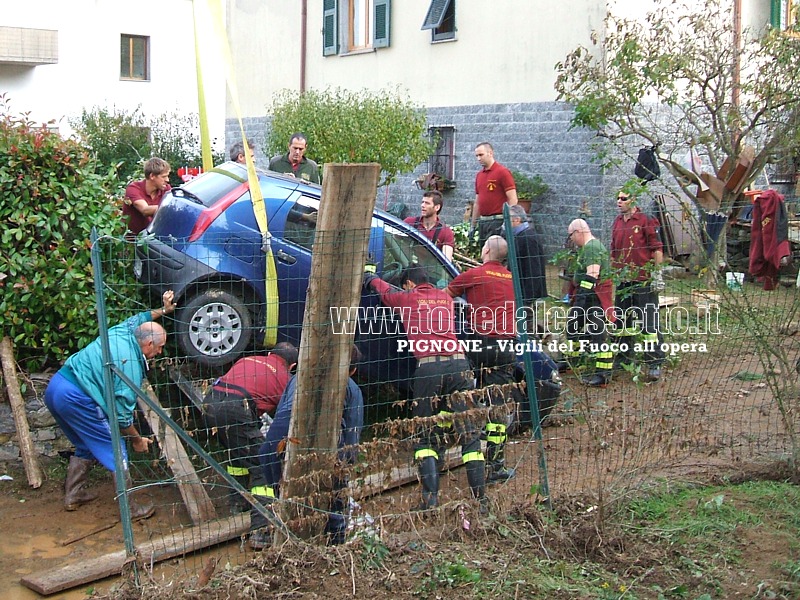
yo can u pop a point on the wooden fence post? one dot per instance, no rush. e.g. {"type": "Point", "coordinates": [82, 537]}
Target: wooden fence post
{"type": "Point", "coordinates": [29, 458]}
{"type": "Point", "coordinates": [339, 253]}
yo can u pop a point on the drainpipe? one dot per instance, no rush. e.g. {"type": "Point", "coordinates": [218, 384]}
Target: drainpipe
{"type": "Point", "coordinates": [737, 60]}
{"type": "Point", "coordinates": [303, 43]}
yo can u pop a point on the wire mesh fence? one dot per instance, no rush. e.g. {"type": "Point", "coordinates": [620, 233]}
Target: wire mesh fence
{"type": "Point", "coordinates": [394, 421]}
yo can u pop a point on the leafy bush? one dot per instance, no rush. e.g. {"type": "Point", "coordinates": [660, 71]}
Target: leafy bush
{"type": "Point", "coordinates": [50, 199]}
{"type": "Point", "coordinates": [463, 244]}
{"type": "Point", "coordinates": [529, 188]}
{"type": "Point", "coordinates": [350, 127]}
{"type": "Point", "coordinates": [125, 140]}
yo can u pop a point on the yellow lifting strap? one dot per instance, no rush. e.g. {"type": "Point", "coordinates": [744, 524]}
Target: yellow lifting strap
{"type": "Point", "coordinates": [205, 138]}
{"type": "Point", "coordinates": [271, 276]}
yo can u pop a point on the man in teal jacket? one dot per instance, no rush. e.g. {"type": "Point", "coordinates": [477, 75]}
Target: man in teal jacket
{"type": "Point", "coordinates": [75, 398]}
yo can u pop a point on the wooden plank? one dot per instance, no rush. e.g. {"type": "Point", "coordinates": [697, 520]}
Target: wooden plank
{"type": "Point", "coordinates": [378, 483]}
{"type": "Point", "coordinates": [337, 268]}
{"type": "Point", "coordinates": [187, 386]}
{"type": "Point", "coordinates": [668, 301]}
{"type": "Point", "coordinates": [62, 578]}
{"type": "Point", "coordinates": [191, 488]}
{"type": "Point", "coordinates": [30, 460]}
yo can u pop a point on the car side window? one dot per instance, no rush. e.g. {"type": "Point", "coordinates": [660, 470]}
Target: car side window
{"type": "Point", "coordinates": [301, 223]}
{"type": "Point", "coordinates": [401, 250]}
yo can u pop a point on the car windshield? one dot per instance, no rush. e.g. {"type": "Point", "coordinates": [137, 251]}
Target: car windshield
{"type": "Point", "coordinates": [402, 250]}
{"type": "Point", "coordinates": [211, 187]}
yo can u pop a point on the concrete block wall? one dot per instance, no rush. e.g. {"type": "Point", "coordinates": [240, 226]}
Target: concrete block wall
{"type": "Point", "coordinates": [534, 138]}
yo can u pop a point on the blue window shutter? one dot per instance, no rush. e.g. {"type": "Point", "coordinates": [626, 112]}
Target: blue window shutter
{"type": "Point", "coordinates": [435, 14]}
{"type": "Point", "coordinates": [381, 23]}
{"type": "Point", "coordinates": [330, 33]}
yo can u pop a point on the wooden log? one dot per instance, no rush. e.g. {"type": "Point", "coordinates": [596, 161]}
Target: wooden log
{"type": "Point", "coordinates": [191, 488]}
{"type": "Point", "coordinates": [33, 471]}
{"type": "Point", "coordinates": [337, 267]}
{"type": "Point", "coordinates": [62, 578]}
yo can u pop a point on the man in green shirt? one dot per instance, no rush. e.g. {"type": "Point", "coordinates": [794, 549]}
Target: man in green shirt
{"type": "Point", "coordinates": [592, 303]}
{"type": "Point", "coordinates": [295, 163]}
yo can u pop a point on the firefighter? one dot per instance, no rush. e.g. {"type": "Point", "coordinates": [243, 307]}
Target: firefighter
{"type": "Point", "coordinates": [442, 371]}
{"type": "Point", "coordinates": [636, 253]}
{"type": "Point", "coordinates": [591, 304]}
{"type": "Point", "coordinates": [489, 291]}
{"type": "Point", "coordinates": [234, 406]}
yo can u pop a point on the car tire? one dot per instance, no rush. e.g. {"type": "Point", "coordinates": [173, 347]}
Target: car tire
{"type": "Point", "coordinates": [214, 328]}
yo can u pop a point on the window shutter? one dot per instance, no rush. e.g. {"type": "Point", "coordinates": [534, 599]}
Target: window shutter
{"type": "Point", "coordinates": [381, 23]}
{"type": "Point", "coordinates": [330, 34]}
{"type": "Point", "coordinates": [435, 14]}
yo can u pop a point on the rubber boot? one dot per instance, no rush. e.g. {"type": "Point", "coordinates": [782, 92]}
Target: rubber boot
{"type": "Point", "coordinates": [77, 473]}
{"type": "Point", "coordinates": [476, 477]}
{"type": "Point", "coordinates": [429, 478]}
{"type": "Point", "coordinates": [260, 536]}
{"type": "Point", "coordinates": [600, 379]}
{"type": "Point", "coordinates": [236, 502]}
{"type": "Point", "coordinates": [140, 506]}
{"type": "Point", "coordinates": [495, 456]}
{"type": "Point", "coordinates": [336, 526]}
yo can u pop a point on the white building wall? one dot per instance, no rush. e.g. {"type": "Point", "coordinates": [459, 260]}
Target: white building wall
{"type": "Point", "coordinates": [480, 66]}
{"type": "Point", "coordinates": [87, 72]}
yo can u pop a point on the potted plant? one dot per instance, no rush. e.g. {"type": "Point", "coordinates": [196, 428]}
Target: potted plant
{"type": "Point", "coordinates": [434, 181]}
{"type": "Point", "coordinates": [528, 188]}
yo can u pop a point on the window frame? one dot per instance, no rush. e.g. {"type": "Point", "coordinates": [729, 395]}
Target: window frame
{"type": "Point", "coordinates": [131, 40]}
{"type": "Point", "coordinates": [785, 14]}
{"type": "Point", "coordinates": [366, 22]}
{"type": "Point", "coordinates": [338, 31]}
{"type": "Point", "coordinates": [448, 156]}
{"type": "Point", "coordinates": [441, 20]}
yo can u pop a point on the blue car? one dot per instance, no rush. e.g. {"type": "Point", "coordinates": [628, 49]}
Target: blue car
{"type": "Point", "coordinates": [205, 244]}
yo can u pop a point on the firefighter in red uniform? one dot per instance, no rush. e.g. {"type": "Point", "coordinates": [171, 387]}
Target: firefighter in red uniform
{"type": "Point", "coordinates": [489, 291]}
{"type": "Point", "coordinates": [442, 371]}
{"type": "Point", "coordinates": [234, 405]}
{"type": "Point", "coordinates": [636, 254]}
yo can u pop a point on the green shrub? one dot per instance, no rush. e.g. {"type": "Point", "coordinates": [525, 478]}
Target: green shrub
{"type": "Point", "coordinates": [50, 199]}
{"type": "Point", "coordinates": [351, 127]}
{"type": "Point", "coordinates": [125, 140]}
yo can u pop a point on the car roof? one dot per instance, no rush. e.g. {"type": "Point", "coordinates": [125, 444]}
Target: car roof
{"type": "Point", "coordinates": [239, 171]}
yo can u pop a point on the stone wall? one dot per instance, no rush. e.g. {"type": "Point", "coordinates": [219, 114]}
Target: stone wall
{"type": "Point", "coordinates": [534, 138]}
{"type": "Point", "coordinates": [47, 437]}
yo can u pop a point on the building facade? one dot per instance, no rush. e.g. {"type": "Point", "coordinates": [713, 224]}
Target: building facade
{"type": "Point", "coordinates": [484, 71]}
{"type": "Point", "coordinates": [57, 58]}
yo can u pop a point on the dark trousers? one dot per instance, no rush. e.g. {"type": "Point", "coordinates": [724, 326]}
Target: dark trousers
{"type": "Point", "coordinates": [586, 322]}
{"type": "Point", "coordinates": [238, 430]}
{"type": "Point", "coordinates": [487, 228]}
{"type": "Point", "coordinates": [638, 305]}
{"type": "Point", "coordinates": [434, 383]}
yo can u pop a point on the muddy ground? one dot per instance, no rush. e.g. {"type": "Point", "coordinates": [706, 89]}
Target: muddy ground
{"type": "Point", "coordinates": [712, 419]}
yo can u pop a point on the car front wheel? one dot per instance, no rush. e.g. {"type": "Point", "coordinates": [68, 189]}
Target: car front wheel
{"type": "Point", "coordinates": [214, 328]}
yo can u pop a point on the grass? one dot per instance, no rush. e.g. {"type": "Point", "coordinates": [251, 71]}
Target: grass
{"type": "Point", "coordinates": [693, 538]}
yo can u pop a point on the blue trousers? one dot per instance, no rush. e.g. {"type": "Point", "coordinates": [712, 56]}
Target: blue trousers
{"type": "Point", "coordinates": [82, 421]}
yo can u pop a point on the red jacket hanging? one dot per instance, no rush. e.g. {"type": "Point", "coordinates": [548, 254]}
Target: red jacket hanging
{"type": "Point", "coordinates": [769, 238]}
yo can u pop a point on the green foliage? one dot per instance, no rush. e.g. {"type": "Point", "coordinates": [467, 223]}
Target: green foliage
{"type": "Point", "coordinates": [353, 127]}
{"type": "Point", "coordinates": [667, 80]}
{"type": "Point", "coordinates": [450, 575]}
{"type": "Point", "coordinates": [374, 552]}
{"type": "Point", "coordinates": [125, 140]}
{"type": "Point", "coordinates": [117, 139]}
{"type": "Point", "coordinates": [50, 199]}
{"type": "Point", "coordinates": [529, 188]}
{"type": "Point", "coordinates": [465, 245]}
